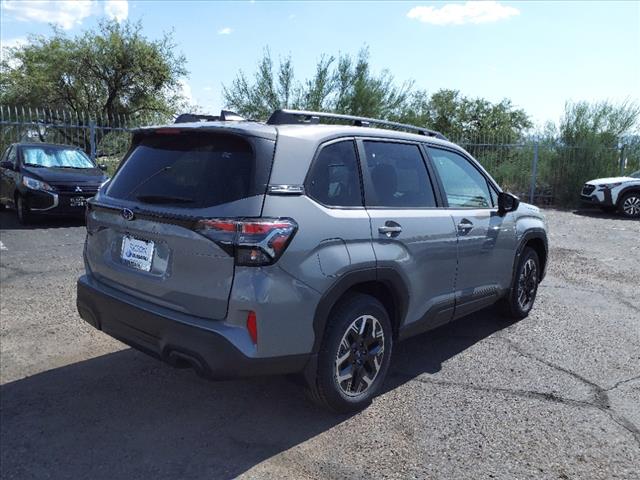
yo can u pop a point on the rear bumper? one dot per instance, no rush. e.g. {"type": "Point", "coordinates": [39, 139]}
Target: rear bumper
{"type": "Point", "coordinates": [213, 351]}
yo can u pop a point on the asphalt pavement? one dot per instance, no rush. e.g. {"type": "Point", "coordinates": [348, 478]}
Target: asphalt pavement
{"type": "Point", "coordinates": [555, 396]}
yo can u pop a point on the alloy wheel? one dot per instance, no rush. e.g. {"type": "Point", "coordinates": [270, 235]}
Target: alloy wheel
{"type": "Point", "coordinates": [631, 206]}
{"type": "Point", "coordinates": [527, 284]}
{"type": "Point", "coordinates": [359, 356]}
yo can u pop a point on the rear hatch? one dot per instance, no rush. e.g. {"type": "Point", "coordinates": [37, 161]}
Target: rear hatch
{"type": "Point", "coordinates": [141, 235]}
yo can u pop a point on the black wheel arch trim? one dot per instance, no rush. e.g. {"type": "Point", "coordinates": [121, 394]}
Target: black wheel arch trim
{"type": "Point", "coordinates": [531, 234]}
{"type": "Point", "coordinates": [625, 190]}
{"type": "Point", "coordinates": [388, 276]}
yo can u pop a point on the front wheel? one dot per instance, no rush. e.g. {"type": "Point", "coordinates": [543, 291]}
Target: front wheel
{"type": "Point", "coordinates": [630, 205]}
{"type": "Point", "coordinates": [22, 211]}
{"type": "Point", "coordinates": [519, 302]}
{"type": "Point", "coordinates": [354, 356]}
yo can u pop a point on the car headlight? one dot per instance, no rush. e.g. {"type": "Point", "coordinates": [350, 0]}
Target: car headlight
{"type": "Point", "coordinates": [609, 186]}
{"type": "Point", "coordinates": [34, 184]}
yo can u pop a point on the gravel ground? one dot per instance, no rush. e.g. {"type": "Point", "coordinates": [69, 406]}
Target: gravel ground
{"type": "Point", "coordinates": [555, 396]}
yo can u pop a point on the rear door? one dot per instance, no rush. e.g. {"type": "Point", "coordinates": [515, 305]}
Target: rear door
{"type": "Point", "coordinates": [410, 234]}
{"type": "Point", "coordinates": [485, 239]}
{"type": "Point", "coordinates": [142, 236]}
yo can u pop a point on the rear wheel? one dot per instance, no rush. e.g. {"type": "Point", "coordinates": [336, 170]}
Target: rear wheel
{"type": "Point", "coordinates": [630, 205]}
{"type": "Point", "coordinates": [354, 356]}
{"type": "Point", "coordinates": [519, 302]}
{"type": "Point", "coordinates": [22, 211]}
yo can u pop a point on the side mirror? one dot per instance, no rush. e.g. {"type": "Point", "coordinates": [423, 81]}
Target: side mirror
{"type": "Point", "coordinates": [507, 202]}
{"type": "Point", "coordinates": [102, 167]}
{"type": "Point", "coordinates": [7, 165]}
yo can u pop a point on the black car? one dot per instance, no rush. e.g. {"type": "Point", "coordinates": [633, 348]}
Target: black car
{"type": "Point", "coordinates": [47, 179]}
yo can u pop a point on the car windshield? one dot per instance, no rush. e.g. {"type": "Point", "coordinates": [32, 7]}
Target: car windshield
{"type": "Point", "coordinates": [635, 174]}
{"type": "Point", "coordinates": [56, 157]}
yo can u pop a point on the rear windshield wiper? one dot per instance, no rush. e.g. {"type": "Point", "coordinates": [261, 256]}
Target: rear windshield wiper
{"type": "Point", "coordinates": [164, 199]}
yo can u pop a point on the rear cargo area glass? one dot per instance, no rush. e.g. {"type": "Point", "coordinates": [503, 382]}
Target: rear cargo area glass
{"type": "Point", "coordinates": [190, 170]}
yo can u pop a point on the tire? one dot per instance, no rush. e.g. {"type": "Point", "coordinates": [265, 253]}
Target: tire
{"type": "Point", "coordinates": [22, 211]}
{"type": "Point", "coordinates": [630, 205]}
{"type": "Point", "coordinates": [522, 294]}
{"type": "Point", "coordinates": [362, 353]}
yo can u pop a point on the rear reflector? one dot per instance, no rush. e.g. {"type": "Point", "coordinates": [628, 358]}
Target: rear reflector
{"type": "Point", "coordinates": [253, 241]}
{"type": "Point", "coordinates": [252, 327]}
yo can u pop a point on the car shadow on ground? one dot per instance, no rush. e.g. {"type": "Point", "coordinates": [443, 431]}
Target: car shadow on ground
{"type": "Point", "coordinates": [124, 415]}
{"type": "Point", "coordinates": [9, 221]}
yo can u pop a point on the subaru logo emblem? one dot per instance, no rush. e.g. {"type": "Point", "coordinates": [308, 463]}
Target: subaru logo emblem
{"type": "Point", "coordinates": [127, 214]}
{"type": "Point", "coordinates": [78, 189]}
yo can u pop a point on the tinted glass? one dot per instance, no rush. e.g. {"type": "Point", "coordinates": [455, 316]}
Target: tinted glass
{"type": "Point", "coordinates": [398, 175]}
{"type": "Point", "coordinates": [12, 157]}
{"type": "Point", "coordinates": [334, 179]}
{"type": "Point", "coordinates": [188, 170]}
{"type": "Point", "coordinates": [54, 157]}
{"type": "Point", "coordinates": [463, 184]}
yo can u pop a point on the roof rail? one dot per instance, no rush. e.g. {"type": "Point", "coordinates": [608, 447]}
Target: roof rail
{"type": "Point", "coordinates": [296, 117]}
{"type": "Point", "coordinates": [225, 116]}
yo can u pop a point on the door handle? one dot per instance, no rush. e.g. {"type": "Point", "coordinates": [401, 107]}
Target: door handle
{"type": "Point", "coordinates": [390, 229]}
{"type": "Point", "coordinates": [465, 226]}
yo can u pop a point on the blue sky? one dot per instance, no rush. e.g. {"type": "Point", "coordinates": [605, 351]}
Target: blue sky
{"type": "Point", "coordinates": [538, 54]}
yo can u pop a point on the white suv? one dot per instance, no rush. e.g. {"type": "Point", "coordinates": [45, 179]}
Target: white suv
{"type": "Point", "coordinates": [616, 193]}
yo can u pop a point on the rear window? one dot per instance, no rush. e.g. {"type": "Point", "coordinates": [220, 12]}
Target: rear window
{"type": "Point", "coordinates": [195, 170]}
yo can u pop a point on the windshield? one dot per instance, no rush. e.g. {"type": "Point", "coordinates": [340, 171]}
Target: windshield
{"type": "Point", "coordinates": [56, 157]}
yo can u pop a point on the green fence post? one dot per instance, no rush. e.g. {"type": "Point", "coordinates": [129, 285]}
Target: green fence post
{"type": "Point", "coordinates": [534, 173]}
{"type": "Point", "coordinates": [92, 138]}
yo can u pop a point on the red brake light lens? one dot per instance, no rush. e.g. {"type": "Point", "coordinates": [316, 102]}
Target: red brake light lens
{"type": "Point", "coordinates": [252, 327]}
{"type": "Point", "coordinates": [254, 242]}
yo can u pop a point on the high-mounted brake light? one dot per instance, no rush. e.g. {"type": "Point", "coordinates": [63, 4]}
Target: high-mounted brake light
{"type": "Point", "coordinates": [253, 242]}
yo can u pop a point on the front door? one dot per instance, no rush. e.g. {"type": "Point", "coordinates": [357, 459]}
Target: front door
{"type": "Point", "coordinates": [485, 238]}
{"type": "Point", "coordinates": [410, 233]}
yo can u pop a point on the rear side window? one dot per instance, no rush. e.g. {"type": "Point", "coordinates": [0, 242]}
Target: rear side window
{"type": "Point", "coordinates": [463, 184]}
{"type": "Point", "coordinates": [399, 177]}
{"type": "Point", "coordinates": [334, 179]}
{"type": "Point", "coordinates": [194, 170]}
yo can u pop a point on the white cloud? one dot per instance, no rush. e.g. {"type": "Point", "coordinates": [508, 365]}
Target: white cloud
{"type": "Point", "coordinates": [462, 13]}
{"type": "Point", "coordinates": [11, 43]}
{"type": "Point", "coordinates": [187, 93]}
{"type": "Point", "coordinates": [117, 9]}
{"type": "Point", "coordinates": [225, 31]}
{"type": "Point", "coordinates": [65, 13]}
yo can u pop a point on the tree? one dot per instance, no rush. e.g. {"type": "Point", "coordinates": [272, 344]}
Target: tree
{"type": "Point", "coordinates": [343, 85]}
{"type": "Point", "coordinates": [107, 73]}
{"type": "Point", "coordinates": [348, 85]}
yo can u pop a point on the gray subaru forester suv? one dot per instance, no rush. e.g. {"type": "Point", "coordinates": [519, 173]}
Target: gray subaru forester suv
{"type": "Point", "coordinates": [297, 246]}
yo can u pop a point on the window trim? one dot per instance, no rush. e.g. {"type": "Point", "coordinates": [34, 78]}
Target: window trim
{"type": "Point", "coordinates": [491, 184]}
{"type": "Point", "coordinates": [317, 153]}
{"type": "Point", "coordinates": [368, 182]}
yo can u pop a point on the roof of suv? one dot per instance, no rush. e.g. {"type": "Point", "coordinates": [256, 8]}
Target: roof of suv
{"type": "Point", "coordinates": [314, 133]}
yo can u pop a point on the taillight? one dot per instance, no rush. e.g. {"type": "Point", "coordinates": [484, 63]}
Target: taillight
{"type": "Point", "coordinates": [253, 242]}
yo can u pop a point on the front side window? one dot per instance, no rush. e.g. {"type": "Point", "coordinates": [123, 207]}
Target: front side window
{"type": "Point", "coordinates": [11, 156]}
{"type": "Point", "coordinates": [334, 179]}
{"type": "Point", "coordinates": [464, 185]}
{"type": "Point", "coordinates": [398, 175]}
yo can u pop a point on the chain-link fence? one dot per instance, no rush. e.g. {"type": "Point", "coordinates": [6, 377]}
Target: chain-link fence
{"type": "Point", "coordinates": [545, 172]}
